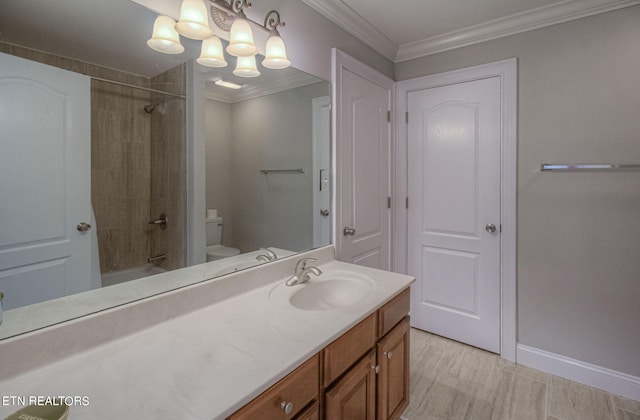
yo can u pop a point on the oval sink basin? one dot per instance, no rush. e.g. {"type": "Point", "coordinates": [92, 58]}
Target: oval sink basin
{"type": "Point", "coordinates": [320, 294]}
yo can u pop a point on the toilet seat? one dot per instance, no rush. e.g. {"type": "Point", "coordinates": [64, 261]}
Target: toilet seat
{"type": "Point", "coordinates": [217, 252]}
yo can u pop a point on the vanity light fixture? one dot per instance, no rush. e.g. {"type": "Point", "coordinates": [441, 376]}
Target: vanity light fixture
{"type": "Point", "coordinates": [165, 39]}
{"type": "Point", "coordinates": [226, 84]}
{"type": "Point", "coordinates": [246, 67]}
{"type": "Point", "coordinates": [212, 54]}
{"type": "Point", "coordinates": [194, 20]}
{"type": "Point", "coordinates": [228, 15]}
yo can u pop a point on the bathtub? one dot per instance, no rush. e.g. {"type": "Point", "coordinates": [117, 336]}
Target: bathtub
{"type": "Point", "coordinates": [121, 276]}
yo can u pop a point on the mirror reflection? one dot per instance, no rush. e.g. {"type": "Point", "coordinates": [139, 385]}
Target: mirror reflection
{"type": "Point", "coordinates": [267, 159]}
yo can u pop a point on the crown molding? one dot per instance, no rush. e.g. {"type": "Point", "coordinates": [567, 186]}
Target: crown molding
{"type": "Point", "coordinates": [252, 92]}
{"type": "Point", "coordinates": [345, 17]}
{"type": "Point", "coordinates": [510, 25]}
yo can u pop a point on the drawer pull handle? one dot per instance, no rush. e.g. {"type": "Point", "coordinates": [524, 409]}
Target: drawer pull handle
{"type": "Point", "coordinates": [388, 354]}
{"type": "Point", "coordinates": [376, 368]}
{"type": "Point", "coordinates": [287, 407]}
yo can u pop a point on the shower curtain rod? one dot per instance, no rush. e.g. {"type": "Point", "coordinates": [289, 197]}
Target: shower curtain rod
{"type": "Point", "coordinates": [100, 79]}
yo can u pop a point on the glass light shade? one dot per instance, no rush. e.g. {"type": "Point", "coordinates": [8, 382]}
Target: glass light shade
{"type": "Point", "coordinates": [246, 67]}
{"type": "Point", "coordinates": [212, 54]}
{"type": "Point", "coordinates": [276, 55]}
{"type": "Point", "coordinates": [165, 39]}
{"type": "Point", "coordinates": [194, 20]}
{"type": "Point", "coordinates": [241, 40]}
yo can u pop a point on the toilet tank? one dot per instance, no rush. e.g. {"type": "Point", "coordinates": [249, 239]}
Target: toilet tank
{"type": "Point", "coordinates": [214, 230]}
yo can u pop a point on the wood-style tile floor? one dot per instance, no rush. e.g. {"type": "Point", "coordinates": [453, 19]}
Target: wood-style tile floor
{"type": "Point", "coordinates": [450, 380]}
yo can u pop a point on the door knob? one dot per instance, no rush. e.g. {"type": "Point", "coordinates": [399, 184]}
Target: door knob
{"type": "Point", "coordinates": [490, 228]}
{"type": "Point", "coordinates": [349, 231]}
{"type": "Point", "coordinates": [83, 227]}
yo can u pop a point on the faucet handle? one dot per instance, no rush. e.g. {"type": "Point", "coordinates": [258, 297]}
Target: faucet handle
{"type": "Point", "coordinates": [303, 262]}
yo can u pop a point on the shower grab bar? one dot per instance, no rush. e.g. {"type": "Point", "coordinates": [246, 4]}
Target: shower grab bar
{"type": "Point", "coordinates": [282, 171]}
{"type": "Point", "coordinates": [162, 221]}
{"type": "Point", "coordinates": [159, 257]}
{"type": "Point", "coordinates": [546, 167]}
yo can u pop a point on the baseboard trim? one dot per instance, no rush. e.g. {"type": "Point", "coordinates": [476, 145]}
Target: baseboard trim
{"type": "Point", "coordinates": [585, 373]}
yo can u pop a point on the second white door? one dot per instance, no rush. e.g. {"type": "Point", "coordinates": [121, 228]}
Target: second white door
{"type": "Point", "coordinates": [454, 215]}
{"type": "Point", "coordinates": [363, 140]}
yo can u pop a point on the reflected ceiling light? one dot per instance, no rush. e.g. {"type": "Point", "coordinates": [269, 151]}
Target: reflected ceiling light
{"type": "Point", "coordinates": [165, 38]}
{"type": "Point", "coordinates": [228, 15]}
{"type": "Point", "coordinates": [246, 67]}
{"type": "Point", "coordinates": [226, 84]}
{"type": "Point", "coordinates": [212, 54]}
{"type": "Point", "coordinates": [194, 20]}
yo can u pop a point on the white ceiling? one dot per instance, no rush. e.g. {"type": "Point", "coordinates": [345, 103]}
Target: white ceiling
{"type": "Point", "coordinates": [406, 29]}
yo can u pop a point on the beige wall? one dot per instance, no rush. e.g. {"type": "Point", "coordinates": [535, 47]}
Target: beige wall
{"type": "Point", "coordinates": [578, 233]}
{"type": "Point", "coordinates": [309, 38]}
{"type": "Point", "coordinates": [218, 172]}
{"type": "Point", "coordinates": [269, 132]}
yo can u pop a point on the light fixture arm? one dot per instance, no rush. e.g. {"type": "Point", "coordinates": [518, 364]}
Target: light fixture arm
{"type": "Point", "coordinates": [223, 12]}
{"type": "Point", "coordinates": [272, 21]}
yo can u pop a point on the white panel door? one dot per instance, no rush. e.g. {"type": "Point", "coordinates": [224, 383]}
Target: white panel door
{"type": "Point", "coordinates": [363, 160]}
{"type": "Point", "coordinates": [454, 216]}
{"type": "Point", "coordinates": [45, 184]}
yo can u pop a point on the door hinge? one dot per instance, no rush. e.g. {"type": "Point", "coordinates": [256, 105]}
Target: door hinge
{"type": "Point", "coordinates": [389, 116]}
{"type": "Point", "coordinates": [388, 202]}
{"type": "Point", "coordinates": [406, 116]}
{"type": "Point", "coordinates": [406, 202]}
{"type": "Point", "coordinates": [500, 228]}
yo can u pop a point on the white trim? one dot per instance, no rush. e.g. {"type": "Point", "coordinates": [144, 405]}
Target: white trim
{"type": "Point", "coordinates": [317, 104]}
{"type": "Point", "coordinates": [346, 18]}
{"type": "Point", "coordinates": [563, 11]}
{"type": "Point", "coordinates": [582, 372]}
{"type": "Point", "coordinates": [510, 25]}
{"type": "Point", "coordinates": [507, 71]}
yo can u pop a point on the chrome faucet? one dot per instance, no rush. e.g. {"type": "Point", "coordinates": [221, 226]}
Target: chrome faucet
{"type": "Point", "coordinates": [269, 255]}
{"type": "Point", "coordinates": [301, 272]}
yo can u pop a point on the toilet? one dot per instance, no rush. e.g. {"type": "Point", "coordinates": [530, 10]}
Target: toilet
{"type": "Point", "coordinates": [216, 251]}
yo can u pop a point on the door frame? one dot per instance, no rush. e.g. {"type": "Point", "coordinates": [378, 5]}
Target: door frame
{"type": "Point", "coordinates": [506, 70]}
{"type": "Point", "coordinates": [317, 105]}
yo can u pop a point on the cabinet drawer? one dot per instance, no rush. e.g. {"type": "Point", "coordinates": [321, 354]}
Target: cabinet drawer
{"type": "Point", "coordinates": [393, 312]}
{"type": "Point", "coordinates": [298, 388]}
{"type": "Point", "coordinates": [311, 413]}
{"type": "Point", "coordinates": [346, 350]}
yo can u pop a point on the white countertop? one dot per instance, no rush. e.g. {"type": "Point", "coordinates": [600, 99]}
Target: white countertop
{"type": "Point", "coordinates": [201, 365]}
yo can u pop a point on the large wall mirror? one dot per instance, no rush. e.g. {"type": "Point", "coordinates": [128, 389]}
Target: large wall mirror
{"type": "Point", "coordinates": [267, 163]}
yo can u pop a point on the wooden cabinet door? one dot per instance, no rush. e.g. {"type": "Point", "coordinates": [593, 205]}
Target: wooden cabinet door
{"type": "Point", "coordinates": [393, 379]}
{"type": "Point", "coordinates": [354, 396]}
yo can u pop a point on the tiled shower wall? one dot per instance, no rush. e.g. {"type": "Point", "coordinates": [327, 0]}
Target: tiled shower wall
{"type": "Point", "coordinates": [138, 162]}
{"type": "Point", "coordinates": [168, 167]}
{"type": "Point", "coordinates": [121, 174]}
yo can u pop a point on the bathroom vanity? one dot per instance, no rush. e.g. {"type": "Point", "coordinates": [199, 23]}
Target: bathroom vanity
{"type": "Point", "coordinates": [363, 374]}
{"type": "Point", "coordinates": [230, 347]}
